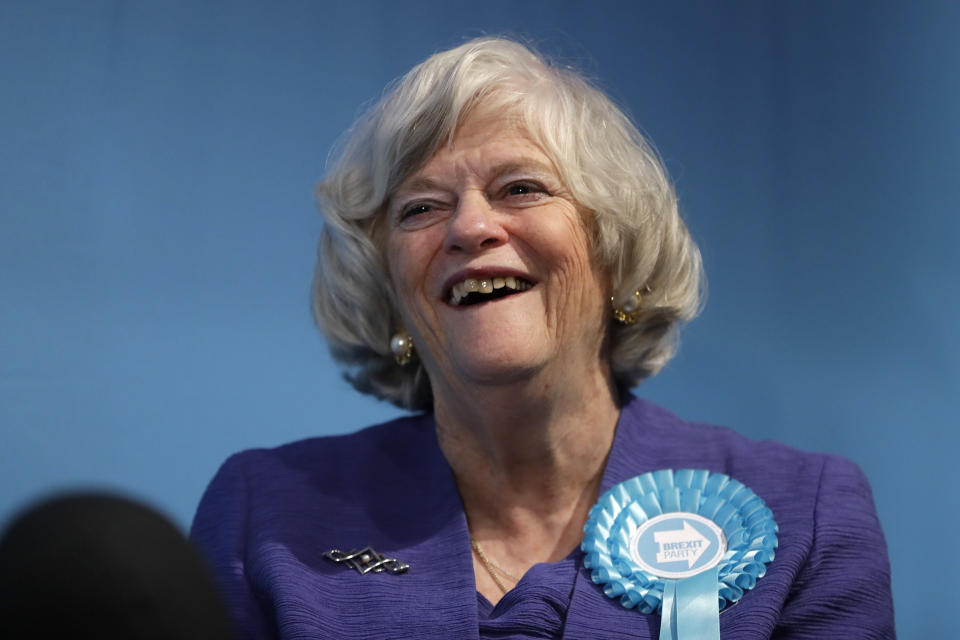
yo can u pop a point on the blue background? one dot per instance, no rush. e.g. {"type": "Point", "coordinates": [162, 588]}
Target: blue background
{"type": "Point", "coordinates": [157, 236]}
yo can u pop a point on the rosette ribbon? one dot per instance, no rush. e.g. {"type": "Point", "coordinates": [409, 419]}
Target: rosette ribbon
{"type": "Point", "coordinates": [685, 543]}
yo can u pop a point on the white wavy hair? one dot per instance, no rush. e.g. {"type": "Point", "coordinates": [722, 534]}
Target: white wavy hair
{"type": "Point", "coordinates": [608, 167]}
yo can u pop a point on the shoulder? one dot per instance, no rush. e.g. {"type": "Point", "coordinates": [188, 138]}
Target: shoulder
{"type": "Point", "coordinates": [669, 441]}
{"type": "Point", "coordinates": [375, 449]}
{"type": "Point", "coordinates": [801, 487]}
{"type": "Point", "coordinates": [401, 432]}
{"type": "Point", "coordinates": [831, 562]}
{"type": "Point", "coordinates": [319, 475]}
{"type": "Point", "coordinates": [269, 514]}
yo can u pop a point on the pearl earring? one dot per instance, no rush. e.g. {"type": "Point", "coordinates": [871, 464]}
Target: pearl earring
{"type": "Point", "coordinates": [629, 312]}
{"type": "Point", "coordinates": [401, 344]}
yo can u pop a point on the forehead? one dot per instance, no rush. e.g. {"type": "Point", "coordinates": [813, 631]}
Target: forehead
{"type": "Point", "coordinates": [485, 145]}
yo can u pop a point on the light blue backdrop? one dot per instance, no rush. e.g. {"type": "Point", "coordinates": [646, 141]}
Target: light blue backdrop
{"type": "Point", "coordinates": [156, 165]}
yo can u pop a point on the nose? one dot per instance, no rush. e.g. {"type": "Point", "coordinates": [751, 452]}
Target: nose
{"type": "Point", "coordinates": [474, 226]}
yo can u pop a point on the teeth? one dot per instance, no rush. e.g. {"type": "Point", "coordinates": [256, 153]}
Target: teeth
{"type": "Point", "coordinates": [460, 290]}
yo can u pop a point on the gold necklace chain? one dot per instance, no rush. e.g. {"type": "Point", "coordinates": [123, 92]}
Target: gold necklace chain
{"type": "Point", "coordinates": [492, 568]}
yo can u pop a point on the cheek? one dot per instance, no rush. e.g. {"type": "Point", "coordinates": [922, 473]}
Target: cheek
{"type": "Point", "coordinates": [575, 288]}
{"type": "Point", "coordinates": [402, 264]}
{"type": "Point", "coordinates": [568, 248]}
{"type": "Point", "coordinates": [408, 261]}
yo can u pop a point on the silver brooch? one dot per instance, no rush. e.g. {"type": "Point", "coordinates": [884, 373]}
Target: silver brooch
{"type": "Point", "coordinates": [367, 560]}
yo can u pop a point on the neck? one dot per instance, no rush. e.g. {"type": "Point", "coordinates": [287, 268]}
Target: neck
{"type": "Point", "coordinates": [528, 459]}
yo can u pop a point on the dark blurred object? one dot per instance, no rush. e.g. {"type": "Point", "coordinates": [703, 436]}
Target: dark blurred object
{"type": "Point", "coordinates": [101, 566]}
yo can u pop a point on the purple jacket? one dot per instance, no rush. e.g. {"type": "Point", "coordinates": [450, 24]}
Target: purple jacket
{"type": "Point", "coordinates": [269, 515]}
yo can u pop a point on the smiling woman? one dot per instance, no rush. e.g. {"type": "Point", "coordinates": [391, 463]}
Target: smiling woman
{"type": "Point", "coordinates": [556, 136]}
{"type": "Point", "coordinates": [503, 252]}
{"type": "Point", "coordinates": [489, 206]}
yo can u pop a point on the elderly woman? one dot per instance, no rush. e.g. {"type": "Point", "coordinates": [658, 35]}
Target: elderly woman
{"type": "Point", "coordinates": [503, 254]}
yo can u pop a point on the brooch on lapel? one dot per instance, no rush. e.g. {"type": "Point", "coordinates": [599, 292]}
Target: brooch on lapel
{"type": "Point", "coordinates": [367, 560]}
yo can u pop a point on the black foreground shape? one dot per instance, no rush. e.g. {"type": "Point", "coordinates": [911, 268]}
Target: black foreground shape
{"type": "Point", "coordinates": [102, 566]}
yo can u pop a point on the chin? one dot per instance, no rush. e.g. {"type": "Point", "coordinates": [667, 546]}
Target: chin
{"type": "Point", "coordinates": [500, 367]}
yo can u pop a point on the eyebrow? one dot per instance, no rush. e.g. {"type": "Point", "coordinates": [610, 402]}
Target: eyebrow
{"type": "Point", "coordinates": [523, 164]}
{"type": "Point", "coordinates": [420, 183]}
{"type": "Point", "coordinates": [426, 183]}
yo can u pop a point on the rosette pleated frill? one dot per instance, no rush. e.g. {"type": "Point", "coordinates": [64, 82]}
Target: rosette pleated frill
{"type": "Point", "coordinates": [746, 522]}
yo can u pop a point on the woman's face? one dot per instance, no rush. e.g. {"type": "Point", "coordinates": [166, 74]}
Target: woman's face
{"type": "Point", "coordinates": [491, 262]}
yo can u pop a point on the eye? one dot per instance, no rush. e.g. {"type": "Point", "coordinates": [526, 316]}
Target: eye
{"type": "Point", "coordinates": [414, 209]}
{"type": "Point", "coordinates": [420, 212]}
{"type": "Point", "coordinates": [524, 188]}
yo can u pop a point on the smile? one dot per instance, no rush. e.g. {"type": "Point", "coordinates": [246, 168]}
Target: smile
{"type": "Point", "coordinates": [476, 290]}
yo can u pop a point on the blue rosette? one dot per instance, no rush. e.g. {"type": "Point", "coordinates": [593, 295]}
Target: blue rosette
{"type": "Point", "coordinates": [723, 536]}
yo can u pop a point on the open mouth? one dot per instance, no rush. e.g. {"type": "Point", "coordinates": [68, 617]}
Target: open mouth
{"type": "Point", "coordinates": [477, 290]}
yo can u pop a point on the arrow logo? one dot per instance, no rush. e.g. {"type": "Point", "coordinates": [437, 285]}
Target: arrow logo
{"type": "Point", "coordinates": [678, 545]}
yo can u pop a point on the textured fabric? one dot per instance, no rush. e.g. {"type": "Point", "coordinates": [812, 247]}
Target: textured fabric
{"type": "Point", "coordinates": [536, 607]}
{"type": "Point", "coordinates": [268, 516]}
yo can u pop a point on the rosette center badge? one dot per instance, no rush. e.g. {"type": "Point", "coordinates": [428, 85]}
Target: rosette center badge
{"type": "Point", "coordinates": [677, 545]}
